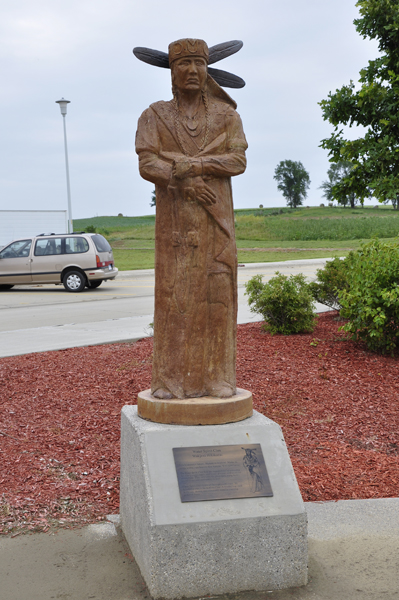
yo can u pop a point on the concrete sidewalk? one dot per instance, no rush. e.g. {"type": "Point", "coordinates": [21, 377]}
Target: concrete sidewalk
{"type": "Point", "coordinates": [74, 335]}
{"type": "Point", "coordinates": [353, 555]}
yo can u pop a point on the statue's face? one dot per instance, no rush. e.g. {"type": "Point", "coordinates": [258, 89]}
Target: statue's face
{"type": "Point", "coordinates": [189, 73]}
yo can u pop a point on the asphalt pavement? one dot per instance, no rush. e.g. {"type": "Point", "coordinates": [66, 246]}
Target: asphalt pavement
{"type": "Point", "coordinates": [353, 544]}
{"type": "Point", "coordinates": [46, 317]}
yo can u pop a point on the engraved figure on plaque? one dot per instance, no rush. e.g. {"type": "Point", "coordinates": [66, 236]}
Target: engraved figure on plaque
{"type": "Point", "coordinates": [251, 463]}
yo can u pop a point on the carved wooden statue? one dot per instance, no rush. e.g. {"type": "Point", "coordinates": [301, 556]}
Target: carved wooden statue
{"type": "Point", "coordinates": [190, 147]}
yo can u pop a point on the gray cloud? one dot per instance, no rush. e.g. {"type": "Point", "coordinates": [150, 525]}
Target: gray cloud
{"type": "Point", "coordinates": [294, 54]}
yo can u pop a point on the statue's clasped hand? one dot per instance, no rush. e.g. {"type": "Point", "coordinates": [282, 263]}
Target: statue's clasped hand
{"type": "Point", "coordinates": [186, 167]}
{"type": "Point", "coordinates": [203, 193]}
{"type": "Point", "coordinates": [192, 169]}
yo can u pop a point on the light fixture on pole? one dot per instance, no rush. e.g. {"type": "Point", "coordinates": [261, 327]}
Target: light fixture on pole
{"type": "Point", "coordinates": [63, 107]}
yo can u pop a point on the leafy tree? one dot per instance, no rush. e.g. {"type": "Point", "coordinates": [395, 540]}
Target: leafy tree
{"type": "Point", "coordinates": [375, 106]}
{"type": "Point", "coordinates": [153, 199]}
{"type": "Point", "coordinates": [335, 173]}
{"type": "Point", "coordinates": [395, 202]}
{"type": "Point", "coordinates": [293, 181]}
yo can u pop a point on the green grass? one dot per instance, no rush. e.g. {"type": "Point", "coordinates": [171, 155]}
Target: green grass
{"type": "Point", "coordinates": [280, 256]}
{"type": "Point", "coordinates": [127, 260]}
{"type": "Point", "coordinates": [308, 244]}
{"type": "Point", "coordinates": [354, 225]}
{"type": "Point", "coordinates": [114, 222]}
{"type": "Point", "coordinates": [120, 228]}
{"type": "Point", "coordinates": [263, 235]}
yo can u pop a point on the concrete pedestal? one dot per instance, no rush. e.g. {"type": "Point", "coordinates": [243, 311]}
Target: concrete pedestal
{"type": "Point", "coordinates": [210, 547]}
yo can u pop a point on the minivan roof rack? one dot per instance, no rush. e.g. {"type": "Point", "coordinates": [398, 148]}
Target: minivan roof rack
{"type": "Point", "coordinates": [46, 234]}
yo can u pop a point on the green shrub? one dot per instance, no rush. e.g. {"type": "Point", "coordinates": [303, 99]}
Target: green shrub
{"type": "Point", "coordinates": [90, 229]}
{"type": "Point", "coordinates": [284, 302]}
{"type": "Point", "coordinates": [331, 280]}
{"type": "Point", "coordinates": [371, 303]}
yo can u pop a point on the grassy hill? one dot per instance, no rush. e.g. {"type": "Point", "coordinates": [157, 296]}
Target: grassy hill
{"type": "Point", "coordinates": [263, 235]}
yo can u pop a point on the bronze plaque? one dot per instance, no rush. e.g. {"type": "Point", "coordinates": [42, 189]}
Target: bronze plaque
{"type": "Point", "coordinates": [221, 472]}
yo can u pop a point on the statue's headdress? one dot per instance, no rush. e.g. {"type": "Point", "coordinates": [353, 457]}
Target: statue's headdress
{"type": "Point", "coordinates": [187, 47]}
{"type": "Point", "coordinates": [193, 47]}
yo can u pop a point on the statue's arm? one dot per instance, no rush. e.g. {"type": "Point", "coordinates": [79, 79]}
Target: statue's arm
{"type": "Point", "coordinates": [154, 169]}
{"type": "Point", "coordinates": [151, 166]}
{"type": "Point", "coordinates": [233, 161]}
{"type": "Point", "coordinates": [224, 165]}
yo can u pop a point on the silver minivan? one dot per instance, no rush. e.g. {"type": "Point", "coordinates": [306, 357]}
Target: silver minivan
{"type": "Point", "coordinates": [77, 260]}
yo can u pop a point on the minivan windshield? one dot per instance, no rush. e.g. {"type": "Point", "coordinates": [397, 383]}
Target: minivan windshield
{"type": "Point", "coordinates": [18, 249]}
{"type": "Point", "coordinates": [101, 243]}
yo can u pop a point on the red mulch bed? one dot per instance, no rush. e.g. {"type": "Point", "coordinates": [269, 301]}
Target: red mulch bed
{"type": "Point", "coordinates": [337, 403]}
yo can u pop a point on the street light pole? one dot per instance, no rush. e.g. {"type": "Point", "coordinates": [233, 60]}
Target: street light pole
{"type": "Point", "coordinates": [63, 107]}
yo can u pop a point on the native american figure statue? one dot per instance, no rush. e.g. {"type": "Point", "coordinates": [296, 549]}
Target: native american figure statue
{"type": "Point", "coordinates": [190, 147]}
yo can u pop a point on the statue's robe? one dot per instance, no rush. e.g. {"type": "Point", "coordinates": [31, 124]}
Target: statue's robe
{"type": "Point", "coordinates": [195, 320]}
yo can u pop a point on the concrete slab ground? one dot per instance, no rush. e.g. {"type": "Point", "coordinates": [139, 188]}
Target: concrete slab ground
{"type": "Point", "coordinates": [73, 335]}
{"type": "Point", "coordinates": [353, 555]}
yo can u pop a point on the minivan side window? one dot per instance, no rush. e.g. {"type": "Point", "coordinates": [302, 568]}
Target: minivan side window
{"type": "Point", "coordinates": [75, 245]}
{"type": "Point", "coordinates": [18, 249]}
{"type": "Point", "coordinates": [48, 247]}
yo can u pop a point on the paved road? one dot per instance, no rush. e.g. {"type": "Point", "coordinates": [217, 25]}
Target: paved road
{"type": "Point", "coordinates": [39, 318]}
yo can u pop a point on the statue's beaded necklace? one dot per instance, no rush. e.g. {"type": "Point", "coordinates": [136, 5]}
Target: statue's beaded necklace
{"type": "Point", "coordinates": [191, 125]}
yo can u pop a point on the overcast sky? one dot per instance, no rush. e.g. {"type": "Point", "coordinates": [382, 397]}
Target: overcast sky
{"type": "Point", "coordinates": [294, 53]}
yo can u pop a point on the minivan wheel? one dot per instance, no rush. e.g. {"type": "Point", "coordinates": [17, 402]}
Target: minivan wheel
{"type": "Point", "coordinates": [5, 286]}
{"type": "Point", "coordinates": [74, 281]}
{"type": "Point", "coordinates": [94, 284]}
